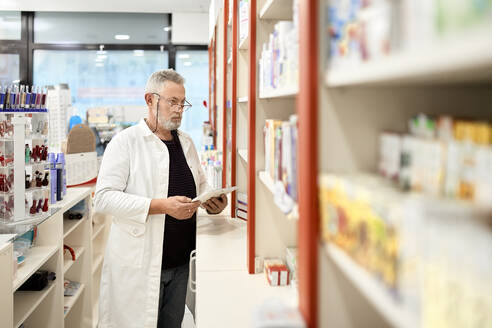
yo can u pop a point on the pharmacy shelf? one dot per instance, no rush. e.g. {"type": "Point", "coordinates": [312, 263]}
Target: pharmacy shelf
{"type": "Point", "coordinates": [98, 260]}
{"type": "Point", "coordinates": [288, 92]}
{"type": "Point", "coordinates": [36, 257]}
{"type": "Point", "coordinates": [34, 221]}
{"type": "Point", "coordinates": [270, 185]}
{"type": "Point", "coordinates": [95, 313]}
{"type": "Point", "coordinates": [25, 302]}
{"type": "Point", "coordinates": [73, 196]}
{"type": "Point", "coordinates": [68, 262]}
{"type": "Point", "coordinates": [99, 228]}
{"type": "Point", "coordinates": [372, 289]}
{"type": "Point", "coordinates": [69, 301]}
{"type": "Point", "coordinates": [244, 44]}
{"type": "Point", "coordinates": [277, 9]}
{"type": "Point", "coordinates": [242, 99]}
{"type": "Point", "coordinates": [463, 60]}
{"type": "Point", "coordinates": [243, 153]}
{"type": "Point", "coordinates": [71, 225]}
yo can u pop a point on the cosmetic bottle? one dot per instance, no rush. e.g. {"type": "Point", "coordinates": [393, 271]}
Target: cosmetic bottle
{"type": "Point", "coordinates": [2, 97]}
{"type": "Point", "coordinates": [53, 182]}
{"type": "Point", "coordinates": [60, 160]}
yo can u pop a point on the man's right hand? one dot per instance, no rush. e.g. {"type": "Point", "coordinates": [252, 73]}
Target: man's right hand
{"type": "Point", "coordinates": [179, 207]}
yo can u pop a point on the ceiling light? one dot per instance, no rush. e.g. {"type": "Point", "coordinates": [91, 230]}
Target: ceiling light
{"type": "Point", "coordinates": [183, 56]}
{"type": "Point", "coordinates": [99, 65]}
{"type": "Point", "coordinates": [101, 52]}
{"type": "Point", "coordinates": [187, 63]}
{"type": "Point", "coordinates": [102, 57]}
{"type": "Point", "coordinates": [138, 53]}
{"type": "Point", "coordinates": [167, 28]}
{"type": "Point", "coordinates": [99, 60]}
{"type": "Point", "coordinates": [122, 37]}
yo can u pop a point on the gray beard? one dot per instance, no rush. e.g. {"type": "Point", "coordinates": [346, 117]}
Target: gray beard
{"type": "Point", "coordinates": [170, 125]}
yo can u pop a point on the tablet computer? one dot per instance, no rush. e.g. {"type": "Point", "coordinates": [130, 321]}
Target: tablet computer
{"type": "Point", "coordinates": [203, 197]}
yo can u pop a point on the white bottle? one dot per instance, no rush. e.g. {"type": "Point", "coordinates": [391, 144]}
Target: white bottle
{"type": "Point", "coordinates": [218, 174]}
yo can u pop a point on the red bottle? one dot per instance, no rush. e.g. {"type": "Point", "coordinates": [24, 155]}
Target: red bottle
{"type": "Point", "coordinates": [32, 210]}
{"type": "Point", "coordinates": [40, 206]}
{"type": "Point", "coordinates": [45, 206]}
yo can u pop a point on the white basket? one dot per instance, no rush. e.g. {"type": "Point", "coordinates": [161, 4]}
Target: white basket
{"type": "Point", "coordinates": [81, 168]}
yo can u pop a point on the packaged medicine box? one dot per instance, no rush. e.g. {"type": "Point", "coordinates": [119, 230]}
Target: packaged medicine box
{"type": "Point", "coordinates": [276, 272]}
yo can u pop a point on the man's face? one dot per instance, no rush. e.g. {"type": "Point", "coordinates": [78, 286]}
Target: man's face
{"type": "Point", "coordinates": [170, 116]}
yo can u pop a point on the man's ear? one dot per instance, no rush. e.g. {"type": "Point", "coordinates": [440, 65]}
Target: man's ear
{"type": "Point", "coordinates": [149, 99]}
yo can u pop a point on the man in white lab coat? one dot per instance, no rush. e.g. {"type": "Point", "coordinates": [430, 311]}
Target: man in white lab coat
{"type": "Point", "coordinates": [149, 175]}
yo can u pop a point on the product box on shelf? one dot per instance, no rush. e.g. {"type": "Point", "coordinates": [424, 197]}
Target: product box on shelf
{"type": "Point", "coordinates": [243, 19]}
{"type": "Point", "coordinates": [441, 156]}
{"type": "Point", "coordinates": [279, 62]}
{"type": "Point", "coordinates": [364, 30]}
{"type": "Point", "coordinates": [280, 139]}
{"type": "Point", "coordinates": [276, 272]}
{"type": "Point", "coordinates": [427, 251]}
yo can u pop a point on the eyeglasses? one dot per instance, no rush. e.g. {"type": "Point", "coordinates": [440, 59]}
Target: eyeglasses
{"type": "Point", "coordinates": [175, 106]}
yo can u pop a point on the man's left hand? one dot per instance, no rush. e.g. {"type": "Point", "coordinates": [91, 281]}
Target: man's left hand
{"type": "Point", "coordinates": [215, 205]}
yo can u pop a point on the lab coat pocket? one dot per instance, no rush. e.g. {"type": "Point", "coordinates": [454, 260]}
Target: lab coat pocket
{"type": "Point", "coordinates": [128, 243]}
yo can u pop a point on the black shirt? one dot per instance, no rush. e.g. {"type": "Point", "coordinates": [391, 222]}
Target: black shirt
{"type": "Point", "coordinates": [179, 235]}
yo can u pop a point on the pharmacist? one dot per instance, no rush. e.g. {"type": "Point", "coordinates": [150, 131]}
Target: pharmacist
{"type": "Point", "coordinates": [149, 175]}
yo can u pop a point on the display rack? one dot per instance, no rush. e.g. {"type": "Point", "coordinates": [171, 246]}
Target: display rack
{"type": "Point", "coordinates": [45, 308]}
{"type": "Point", "coordinates": [466, 59]}
{"type": "Point", "coordinates": [276, 9]}
{"type": "Point", "coordinates": [268, 217]}
{"type": "Point", "coordinates": [264, 217]}
{"type": "Point", "coordinates": [355, 104]}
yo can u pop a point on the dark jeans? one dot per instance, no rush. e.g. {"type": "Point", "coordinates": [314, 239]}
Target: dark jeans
{"type": "Point", "coordinates": [172, 296]}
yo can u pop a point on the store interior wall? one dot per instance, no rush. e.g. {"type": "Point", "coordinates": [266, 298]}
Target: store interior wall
{"type": "Point", "coordinates": [190, 28]}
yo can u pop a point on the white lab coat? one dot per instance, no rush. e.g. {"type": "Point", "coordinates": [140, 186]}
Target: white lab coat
{"type": "Point", "coordinates": [135, 169]}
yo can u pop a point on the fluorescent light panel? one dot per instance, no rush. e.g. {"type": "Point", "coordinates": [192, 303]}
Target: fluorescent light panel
{"type": "Point", "coordinates": [122, 37]}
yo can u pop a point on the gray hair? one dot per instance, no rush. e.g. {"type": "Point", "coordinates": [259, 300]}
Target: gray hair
{"type": "Point", "coordinates": [157, 79]}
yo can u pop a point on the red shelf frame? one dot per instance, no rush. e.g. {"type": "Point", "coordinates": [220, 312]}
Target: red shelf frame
{"type": "Point", "coordinates": [235, 19]}
{"type": "Point", "coordinates": [214, 108]}
{"type": "Point", "coordinates": [307, 109]}
{"type": "Point", "coordinates": [251, 137]}
{"type": "Point", "coordinates": [224, 96]}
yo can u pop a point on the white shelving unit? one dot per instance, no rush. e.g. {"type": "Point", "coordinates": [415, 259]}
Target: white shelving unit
{"type": "Point", "coordinates": [69, 301]}
{"type": "Point", "coordinates": [277, 105]}
{"type": "Point", "coordinates": [373, 290]}
{"type": "Point", "coordinates": [280, 93]}
{"type": "Point", "coordinates": [45, 308]}
{"type": "Point", "coordinates": [26, 302]}
{"type": "Point", "coordinates": [242, 133]}
{"type": "Point", "coordinates": [38, 255]}
{"type": "Point", "coordinates": [448, 77]}
{"type": "Point", "coordinates": [277, 9]}
{"type": "Point", "coordinates": [97, 231]}
{"type": "Point", "coordinates": [243, 45]}
{"type": "Point", "coordinates": [269, 184]}
{"type": "Point", "coordinates": [243, 153]}
{"type": "Point", "coordinates": [70, 225]}
{"type": "Point", "coordinates": [452, 60]}
{"type": "Point", "coordinates": [97, 263]}
{"type": "Point", "coordinates": [68, 262]}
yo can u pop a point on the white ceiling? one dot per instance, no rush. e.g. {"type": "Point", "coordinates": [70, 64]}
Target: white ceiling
{"type": "Point", "coordinates": [135, 6]}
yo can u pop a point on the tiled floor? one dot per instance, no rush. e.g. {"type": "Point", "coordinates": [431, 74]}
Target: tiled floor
{"type": "Point", "coordinates": [226, 294]}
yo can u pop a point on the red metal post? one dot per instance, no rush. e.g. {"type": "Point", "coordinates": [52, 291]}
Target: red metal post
{"type": "Point", "coordinates": [252, 136]}
{"type": "Point", "coordinates": [234, 104]}
{"type": "Point", "coordinates": [224, 97]}
{"type": "Point", "coordinates": [307, 109]}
